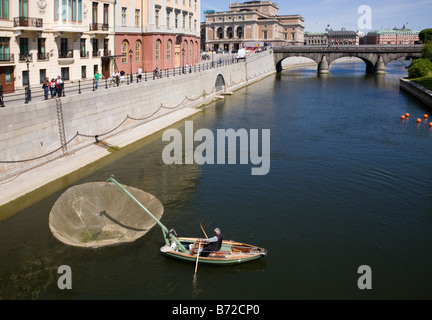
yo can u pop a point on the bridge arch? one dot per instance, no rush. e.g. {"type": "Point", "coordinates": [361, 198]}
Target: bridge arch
{"type": "Point", "coordinates": [375, 57]}
{"type": "Point", "coordinates": [220, 83]}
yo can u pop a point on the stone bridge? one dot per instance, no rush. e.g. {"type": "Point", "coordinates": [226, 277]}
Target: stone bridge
{"type": "Point", "coordinates": [375, 57]}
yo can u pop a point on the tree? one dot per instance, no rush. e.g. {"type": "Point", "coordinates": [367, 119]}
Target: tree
{"type": "Point", "coordinates": [427, 51]}
{"type": "Point", "coordinates": [426, 35]}
{"type": "Point", "coordinates": [420, 68]}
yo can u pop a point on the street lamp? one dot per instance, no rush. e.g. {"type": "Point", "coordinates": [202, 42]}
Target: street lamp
{"type": "Point", "coordinates": [183, 50]}
{"type": "Point", "coordinates": [28, 91]}
{"type": "Point", "coordinates": [131, 75]}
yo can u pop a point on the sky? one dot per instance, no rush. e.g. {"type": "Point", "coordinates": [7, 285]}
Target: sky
{"type": "Point", "coordinates": [385, 14]}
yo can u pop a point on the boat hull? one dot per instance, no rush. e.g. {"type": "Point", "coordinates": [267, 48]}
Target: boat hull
{"type": "Point", "coordinates": [231, 253]}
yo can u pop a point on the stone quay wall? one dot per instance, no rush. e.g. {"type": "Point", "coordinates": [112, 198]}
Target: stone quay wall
{"type": "Point", "coordinates": [421, 93]}
{"type": "Point", "coordinates": [35, 133]}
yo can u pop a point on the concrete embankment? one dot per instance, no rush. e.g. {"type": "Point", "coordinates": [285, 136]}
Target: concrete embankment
{"type": "Point", "coordinates": [33, 153]}
{"type": "Point", "coordinates": [417, 91]}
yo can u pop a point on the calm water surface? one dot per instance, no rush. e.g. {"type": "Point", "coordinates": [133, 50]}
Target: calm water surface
{"type": "Point", "coordinates": [349, 185]}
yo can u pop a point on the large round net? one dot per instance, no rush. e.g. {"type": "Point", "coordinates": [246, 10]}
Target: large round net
{"type": "Point", "coordinates": [100, 214]}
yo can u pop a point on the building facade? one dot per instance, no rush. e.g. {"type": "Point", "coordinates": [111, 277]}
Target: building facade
{"type": "Point", "coordinates": [251, 24]}
{"type": "Point", "coordinates": [343, 38]}
{"type": "Point", "coordinates": [156, 33]}
{"type": "Point", "coordinates": [316, 39]}
{"type": "Point", "coordinates": [68, 38]}
{"type": "Point", "coordinates": [393, 37]}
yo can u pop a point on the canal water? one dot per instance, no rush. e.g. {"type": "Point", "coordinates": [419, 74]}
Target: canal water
{"type": "Point", "coordinates": [349, 185]}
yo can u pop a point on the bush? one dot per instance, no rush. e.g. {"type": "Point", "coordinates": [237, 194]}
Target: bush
{"type": "Point", "coordinates": [426, 35]}
{"type": "Point", "coordinates": [420, 68]}
{"type": "Point", "coordinates": [427, 51]}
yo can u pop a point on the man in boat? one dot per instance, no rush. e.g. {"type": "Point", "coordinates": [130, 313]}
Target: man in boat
{"type": "Point", "coordinates": [213, 244]}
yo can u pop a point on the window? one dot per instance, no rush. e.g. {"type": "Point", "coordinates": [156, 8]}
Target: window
{"type": "Point", "coordinates": [65, 73]}
{"type": "Point", "coordinates": [95, 44]}
{"type": "Point", "coordinates": [169, 46]}
{"type": "Point", "coordinates": [4, 9]}
{"type": "Point", "coordinates": [83, 72]}
{"type": "Point", "coordinates": [265, 34]}
{"type": "Point", "coordinates": [157, 18]}
{"type": "Point", "coordinates": [42, 75]}
{"type": "Point", "coordinates": [137, 17]}
{"type": "Point", "coordinates": [176, 20]}
{"type": "Point", "coordinates": [124, 16]}
{"type": "Point", "coordinates": [158, 47]}
{"type": "Point", "coordinates": [94, 12]}
{"type": "Point", "coordinates": [83, 52]}
{"type": "Point", "coordinates": [24, 49]}
{"type": "Point", "coordinates": [4, 49]}
{"type": "Point", "coordinates": [105, 14]}
{"type": "Point", "coordinates": [124, 50]}
{"type": "Point", "coordinates": [23, 8]}
{"type": "Point", "coordinates": [168, 15]}
{"type": "Point", "coordinates": [25, 78]}
{"type": "Point", "coordinates": [41, 49]}
{"type": "Point", "coordinates": [137, 51]}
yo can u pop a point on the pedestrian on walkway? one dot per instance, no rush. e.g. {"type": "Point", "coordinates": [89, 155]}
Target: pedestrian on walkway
{"type": "Point", "coordinates": [45, 87]}
{"type": "Point", "coordinates": [97, 76]}
{"type": "Point", "coordinates": [53, 87]}
{"type": "Point", "coordinates": [60, 86]}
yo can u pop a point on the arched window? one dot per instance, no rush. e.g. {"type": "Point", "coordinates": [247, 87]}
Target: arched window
{"type": "Point", "coordinates": [169, 46]}
{"type": "Point", "coordinates": [137, 51]}
{"type": "Point", "coordinates": [124, 50]}
{"type": "Point", "coordinates": [190, 49]}
{"type": "Point", "coordinates": [158, 48]}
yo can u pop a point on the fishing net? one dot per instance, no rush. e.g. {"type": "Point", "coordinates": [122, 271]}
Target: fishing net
{"type": "Point", "coordinates": [100, 214]}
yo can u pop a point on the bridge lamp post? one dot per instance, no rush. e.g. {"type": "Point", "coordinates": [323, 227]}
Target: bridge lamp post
{"type": "Point", "coordinates": [28, 91]}
{"type": "Point", "coordinates": [131, 75]}
{"type": "Point", "coordinates": [183, 51]}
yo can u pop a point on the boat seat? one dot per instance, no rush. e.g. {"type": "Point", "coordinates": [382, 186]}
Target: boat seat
{"type": "Point", "coordinates": [217, 254]}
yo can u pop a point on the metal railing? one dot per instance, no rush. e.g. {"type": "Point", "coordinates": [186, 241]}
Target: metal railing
{"type": "Point", "coordinates": [20, 96]}
{"type": "Point", "coordinates": [6, 57]}
{"type": "Point", "coordinates": [98, 27]}
{"type": "Point", "coordinates": [63, 54]}
{"type": "Point", "coordinates": [28, 22]}
{"type": "Point", "coordinates": [96, 54]}
{"type": "Point", "coordinates": [23, 57]}
{"type": "Point", "coordinates": [42, 56]}
{"type": "Point", "coordinates": [84, 54]}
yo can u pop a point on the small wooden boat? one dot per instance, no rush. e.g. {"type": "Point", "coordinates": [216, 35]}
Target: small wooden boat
{"type": "Point", "coordinates": [231, 252]}
{"type": "Point", "coordinates": [186, 249]}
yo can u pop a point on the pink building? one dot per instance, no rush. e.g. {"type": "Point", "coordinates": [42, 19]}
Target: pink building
{"type": "Point", "coordinates": [157, 33]}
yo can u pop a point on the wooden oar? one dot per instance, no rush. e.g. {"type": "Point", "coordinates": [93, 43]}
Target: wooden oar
{"type": "Point", "coordinates": [196, 265]}
{"type": "Point", "coordinates": [203, 231]}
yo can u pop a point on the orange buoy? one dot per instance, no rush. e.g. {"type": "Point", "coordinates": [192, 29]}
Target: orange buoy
{"type": "Point", "coordinates": [425, 116]}
{"type": "Point", "coordinates": [407, 115]}
{"type": "Point", "coordinates": [402, 117]}
{"type": "Point", "coordinates": [430, 124]}
{"type": "Point", "coordinates": [418, 120]}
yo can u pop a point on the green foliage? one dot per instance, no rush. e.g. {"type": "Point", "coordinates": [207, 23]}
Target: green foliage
{"type": "Point", "coordinates": [426, 35]}
{"type": "Point", "coordinates": [420, 68]}
{"type": "Point", "coordinates": [427, 51]}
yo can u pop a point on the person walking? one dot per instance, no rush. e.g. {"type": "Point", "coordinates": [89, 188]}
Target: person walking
{"type": "Point", "coordinates": [45, 87]}
{"type": "Point", "coordinates": [97, 76]}
{"type": "Point", "coordinates": [53, 87]}
{"type": "Point", "coordinates": [140, 73]}
{"type": "Point", "coordinates": [60, 86]}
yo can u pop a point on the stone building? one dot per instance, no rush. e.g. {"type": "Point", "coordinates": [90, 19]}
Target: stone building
{"type": "Point", "coordinates": [38, 39]}
{"type": "Point", "coordinates": [343, 38]}
{"type": "Point", "coordinates": [157, 33]}
{"type": "Point", "coordinates": [251, 24]}
{"type": "Point", "coordinates": [316, 39]}
{"type": "Point", "coordinates": [393, 37]}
